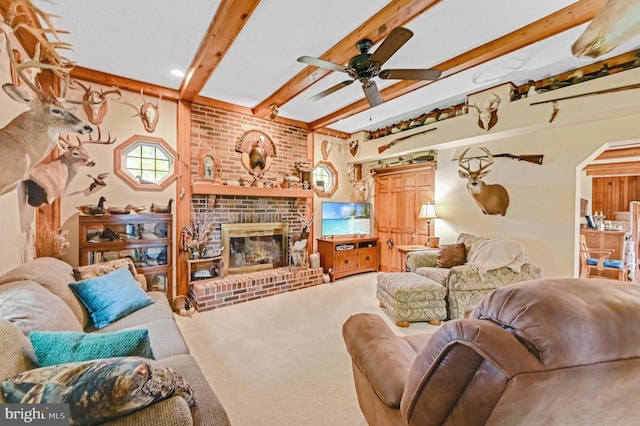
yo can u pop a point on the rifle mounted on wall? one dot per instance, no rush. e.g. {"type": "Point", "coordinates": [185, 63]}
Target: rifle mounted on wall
{"type": "Point", "coordinates": [534, 159]}
{"type": "Point", "coordinates": [597, 92]}
{"type": "Point", "coordinates": [383, 148]}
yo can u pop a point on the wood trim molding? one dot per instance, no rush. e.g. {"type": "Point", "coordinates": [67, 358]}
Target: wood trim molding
{"type": "Point", "coordinates": [630, 168]}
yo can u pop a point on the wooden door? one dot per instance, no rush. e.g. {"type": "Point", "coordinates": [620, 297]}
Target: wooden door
{"type": "Point", "coordinates": [382, 222]}
{"type": "Point", "coordinates": [400, 192]}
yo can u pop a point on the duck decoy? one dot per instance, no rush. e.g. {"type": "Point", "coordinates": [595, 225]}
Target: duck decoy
{"type": "Point", "coordinates": [94, 209]}
{"type": "Point", "coordinates": [155, 208]}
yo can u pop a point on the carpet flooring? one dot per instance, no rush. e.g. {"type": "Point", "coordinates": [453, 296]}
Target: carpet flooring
{"type": "Point", "coordinates": [281, 360]}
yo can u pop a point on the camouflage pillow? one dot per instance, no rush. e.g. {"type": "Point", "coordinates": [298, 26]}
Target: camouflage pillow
{"type": "Point", "coordinates": [115, 386]}
{"type": "Point", "coordinates": [100, 269]}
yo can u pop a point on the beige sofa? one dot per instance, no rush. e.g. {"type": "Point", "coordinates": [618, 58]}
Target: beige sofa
{"type": "Point", "coordinates": [467, 284]}
{"type": "Point", "coordinates": [543, 352]}
{"type": "Point", "coordinates": [59, 310]}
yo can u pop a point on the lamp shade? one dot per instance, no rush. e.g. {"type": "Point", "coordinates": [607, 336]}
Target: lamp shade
{"type": "Point", "coordinates": [428, 211]}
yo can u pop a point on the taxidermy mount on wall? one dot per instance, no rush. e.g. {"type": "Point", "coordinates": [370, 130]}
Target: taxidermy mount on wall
{"type": "Point", "coordinates": [491, 198]}
{"type": "Point", "coordinates": [257, 152]}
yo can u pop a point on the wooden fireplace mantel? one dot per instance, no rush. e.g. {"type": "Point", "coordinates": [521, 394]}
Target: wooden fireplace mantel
{"type": "Point", "coordinates": [207, 188]}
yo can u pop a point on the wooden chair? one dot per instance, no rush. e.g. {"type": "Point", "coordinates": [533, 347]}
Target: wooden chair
{"type": "Point", "coordinates": [598, 260]}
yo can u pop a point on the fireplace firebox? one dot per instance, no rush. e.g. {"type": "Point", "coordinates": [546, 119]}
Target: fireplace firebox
{"type": "Point", "coordinates": [250, 247]}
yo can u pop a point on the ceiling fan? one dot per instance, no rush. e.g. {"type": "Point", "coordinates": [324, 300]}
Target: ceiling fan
{"type": "Point", "coordinates": [365, 66]}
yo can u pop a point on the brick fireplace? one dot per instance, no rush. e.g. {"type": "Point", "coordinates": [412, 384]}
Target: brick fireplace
{"type": "Point", "coordinates": [217, 131]}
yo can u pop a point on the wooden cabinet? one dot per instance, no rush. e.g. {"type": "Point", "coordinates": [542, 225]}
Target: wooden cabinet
{"type": "Point", "coordinates": [145, 238]}
{"type": "Point", "coordinates": [342, 256]}
{"type": "Point", "coordinates": [607, 240]}
{"type": "Point", "coordinates": [399, 194]}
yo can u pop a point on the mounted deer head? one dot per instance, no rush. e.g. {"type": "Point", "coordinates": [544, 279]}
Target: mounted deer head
{"type": "Point", "coordinates": [617, 22]}
{"type": "Point", "coordinates": [361, 188]}
{"type": "Point", "coordinates": [48, 181]}
{"type": "Point", "coordinates": [488, 117]}
{"type": "Point", "coordinates": [492, 199]}
{"type": "Point", "coordinates": [31, 136]}
{"type": "Point", "coordinates": [96, 105]}
{"type": "Point", "coordinates": [306, 226]}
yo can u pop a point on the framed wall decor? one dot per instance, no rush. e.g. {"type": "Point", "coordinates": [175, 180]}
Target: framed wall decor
{"type": "Point", "coordinates": [207, 165]}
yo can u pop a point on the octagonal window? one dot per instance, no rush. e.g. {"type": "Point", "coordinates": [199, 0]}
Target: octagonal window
{"type": "Point", "coordinates": [145, 162]}
{"type": "Point", "coordinates": [325, 179]}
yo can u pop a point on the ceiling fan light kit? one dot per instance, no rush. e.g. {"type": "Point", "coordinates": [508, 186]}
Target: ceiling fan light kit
{"type": "Point", "coordinates": [365, 66]}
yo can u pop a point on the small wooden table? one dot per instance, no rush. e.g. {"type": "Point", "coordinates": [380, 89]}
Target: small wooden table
{"type": "Point", "coordinates": [403, 250]}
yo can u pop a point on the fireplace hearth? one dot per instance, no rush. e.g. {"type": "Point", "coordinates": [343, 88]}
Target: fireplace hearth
{"type": "Point", "coordinates": [251, 247]}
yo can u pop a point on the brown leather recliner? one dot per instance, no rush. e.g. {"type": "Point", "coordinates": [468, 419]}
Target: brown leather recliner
{"type": "Point", "coordinates": [549, 351]}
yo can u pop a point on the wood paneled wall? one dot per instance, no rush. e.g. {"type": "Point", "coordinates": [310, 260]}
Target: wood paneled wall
{"type": "Point", "coordinates": [613, 194]}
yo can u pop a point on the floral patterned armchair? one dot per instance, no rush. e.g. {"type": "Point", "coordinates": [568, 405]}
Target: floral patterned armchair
{"type": "Point", "coordinates": [487, 264]}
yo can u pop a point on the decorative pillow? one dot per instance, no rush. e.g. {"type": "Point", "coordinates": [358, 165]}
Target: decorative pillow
{"type": "Point", "coordinates": [30, 306]}
{"type": "Point", "coordinates": [98, 390]}
{"type": "Point", "coordinates": [111, 296]}
{"type": "Point", "coordinates": [99, 269]}
{"type": "Point", "coordinates": [451, 255]}
{"type": "Point", "coordinates": [53, 348]}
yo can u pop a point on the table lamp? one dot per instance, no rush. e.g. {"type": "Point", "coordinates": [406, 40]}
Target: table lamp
{"type": "Point", "coordinates": [428, 211]}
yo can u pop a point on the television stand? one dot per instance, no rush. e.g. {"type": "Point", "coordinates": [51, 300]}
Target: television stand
{"type": "Point", "coordinates": [343, 256]}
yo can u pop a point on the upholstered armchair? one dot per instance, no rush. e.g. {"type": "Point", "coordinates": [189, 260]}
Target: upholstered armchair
{"type": "Point", "coordinates": [542, 352]}
{"type": "Point", "coordinates": [473, 268]}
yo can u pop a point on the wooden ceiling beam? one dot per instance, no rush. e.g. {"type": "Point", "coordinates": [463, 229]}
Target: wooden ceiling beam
{"type": "Point", "coordinates": [231, 16]}
{"type": "Point", "coordinates": [123, 83]}
{"type": "Point", "coordinates": [395, 14]}
{"type": "Point", "coordinates": [556, 23]}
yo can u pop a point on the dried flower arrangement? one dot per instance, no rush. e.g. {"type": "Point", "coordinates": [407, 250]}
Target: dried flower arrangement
{"type": "Point", "coordinates": [195, 236]}
{"type": "Point", "coordinates": [50, 242]}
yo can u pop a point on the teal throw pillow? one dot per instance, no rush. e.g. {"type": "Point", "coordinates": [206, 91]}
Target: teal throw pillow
{"type": "Point", "coordinates": [110, 297]}
{"type": "Point", "coordinates": [98, 390]}
{"type": "Point", "coordinates": [59, 347]}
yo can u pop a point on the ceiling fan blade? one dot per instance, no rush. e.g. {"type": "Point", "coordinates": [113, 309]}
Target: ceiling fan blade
{"type": "Point", "coordinates": [330, 90]}
{"type": "Point", "coordinates": [394, 41]}
{"type": "Point", "coordinates": [309, 60]}
{"type": "Point", "coordinates": [372, 93]}
{"type": "Point", "coordinates": [417, 74]}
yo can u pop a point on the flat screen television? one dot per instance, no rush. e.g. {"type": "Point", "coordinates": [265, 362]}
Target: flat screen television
{"type": "Point", "coordinates": [339, 218]}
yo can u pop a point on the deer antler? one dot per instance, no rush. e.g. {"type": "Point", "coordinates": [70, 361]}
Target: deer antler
{"type": "Point", "coordinates": [462, 163]}
{"type": "Point", "coordinates": [98, 141]}
{"type": "Point", "coordinates": [45, 55]}
{"type": "Point", "coordinates": [489, 161]}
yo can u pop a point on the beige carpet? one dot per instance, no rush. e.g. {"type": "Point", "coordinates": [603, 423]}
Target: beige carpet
{"type": "Point", "coordinates": [281, 360]}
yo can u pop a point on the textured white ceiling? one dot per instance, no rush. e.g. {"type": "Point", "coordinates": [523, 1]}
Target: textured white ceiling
{"type": "Point", "coordinates": [145, 39]}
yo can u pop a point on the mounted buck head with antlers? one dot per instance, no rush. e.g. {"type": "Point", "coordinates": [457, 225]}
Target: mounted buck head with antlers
{"type": "Point", "coordinates": [96, 106]}
{"type": "Point", "coordinates": [488, 117]}
{"type": "Point", "coordinates": [48, 181]}
{"type": "Point", "coordinates": [31, 136]}
{"type": "Point", "coordinates": [491, 198]}
{"type": "Point", "coordinates": [361, 188]}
